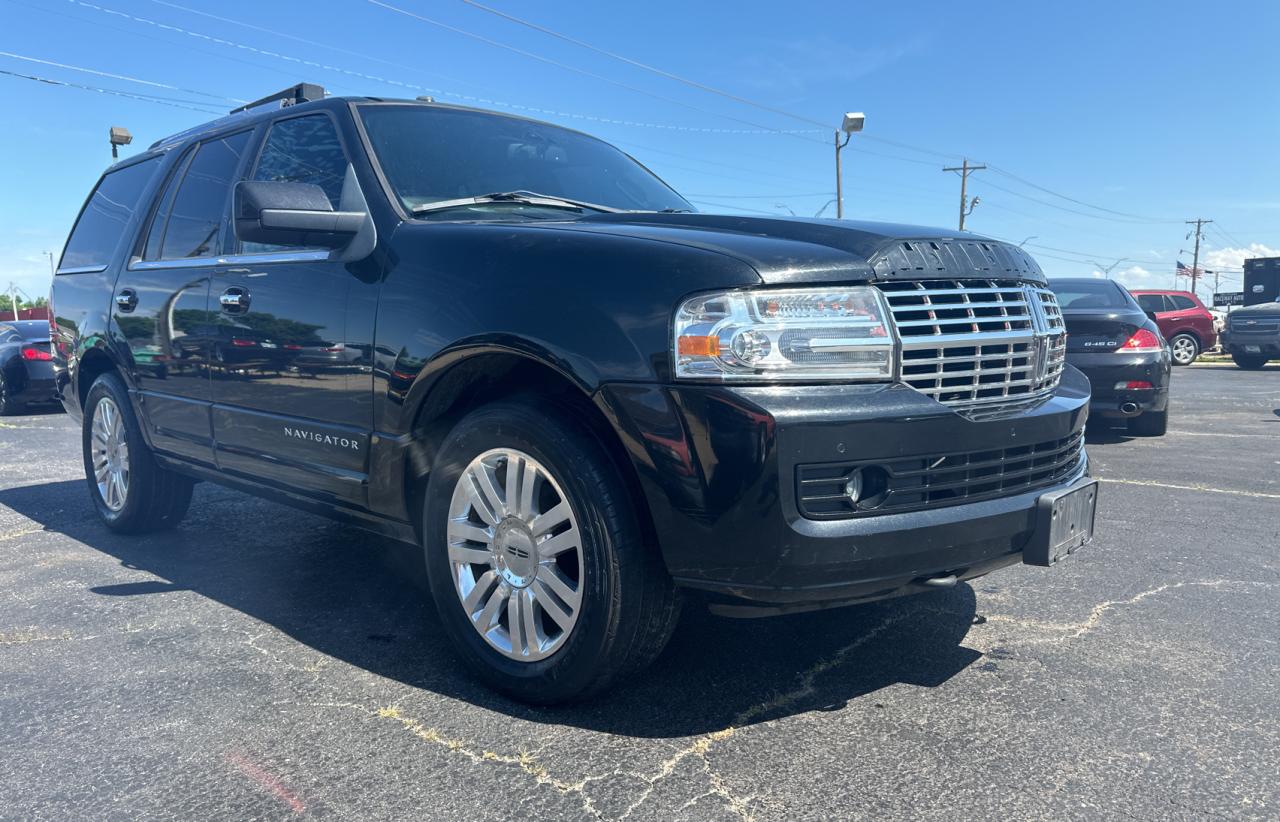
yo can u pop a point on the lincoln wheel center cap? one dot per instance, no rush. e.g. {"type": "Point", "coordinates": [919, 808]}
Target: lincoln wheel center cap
{"type": "Point", "coordinates": [515, 553]}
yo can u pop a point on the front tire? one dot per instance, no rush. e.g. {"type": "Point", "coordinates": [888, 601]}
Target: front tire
{"type": "Point", "coordinates": [1184, 348]}
{"type": "Point", "coordinates": [536, 558]}
{"type": "Point", "coordinates": [1250, 362]}
{"type": "Point", "coordinates": [130, 491]}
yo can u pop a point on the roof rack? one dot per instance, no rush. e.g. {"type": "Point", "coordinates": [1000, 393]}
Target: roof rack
{"type": "Point", "coordinates": [301, 93]}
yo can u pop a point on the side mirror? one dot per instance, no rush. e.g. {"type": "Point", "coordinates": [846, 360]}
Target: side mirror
{"type": "Point", "coordinates": [297, 214]}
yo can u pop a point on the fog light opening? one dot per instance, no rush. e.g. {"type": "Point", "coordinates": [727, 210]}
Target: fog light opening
{"type": "Point", "coordinates": [867, 487]}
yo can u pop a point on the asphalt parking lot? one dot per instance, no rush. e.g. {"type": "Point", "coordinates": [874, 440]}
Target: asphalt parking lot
{"type": "Point", "coordinates": [261, 663]}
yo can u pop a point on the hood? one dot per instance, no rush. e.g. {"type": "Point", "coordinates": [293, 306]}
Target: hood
{"type": "Point", "coordinates": [1269, 310]}
{"type": "Point", "coordinates": [785, 250]}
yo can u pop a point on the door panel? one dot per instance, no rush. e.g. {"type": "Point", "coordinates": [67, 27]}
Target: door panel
{"type": "Point", "coordinates": [291, 387]}
{"type": "Point", "coordinates": [161, 302]}
{"type": "Point", "coordinates": [293, 381]}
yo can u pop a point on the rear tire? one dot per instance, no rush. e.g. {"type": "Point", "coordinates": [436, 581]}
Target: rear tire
{"type": "Point", "coordinates": [130, 491]}
{"type": "Point", "coordinates": [1184, 348]}
{"type": "Point", "coordinates": [1150, 424]}
{"type": "Point", "coordinates": [8, 405]}
{"type": "Point", "coordinates": [478, 548]}
{"type": "Point", "coordinates": [1250, 362]}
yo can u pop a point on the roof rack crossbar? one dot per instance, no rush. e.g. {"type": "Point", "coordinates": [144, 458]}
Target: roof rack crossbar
{"type": "Point", "coordinates": [301, 93]}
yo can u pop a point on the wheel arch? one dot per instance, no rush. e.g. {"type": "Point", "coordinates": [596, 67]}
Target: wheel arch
{"type": "Point", "coordinates": [467, 378]}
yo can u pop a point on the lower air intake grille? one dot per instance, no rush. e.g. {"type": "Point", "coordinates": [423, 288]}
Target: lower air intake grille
{"type": "Point", "coordinates": [933, 481]}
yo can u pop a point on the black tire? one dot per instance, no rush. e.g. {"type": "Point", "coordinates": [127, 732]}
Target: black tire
{"type": "Point", "coordinates": [1250, 362]}
{"type": "Point", "coordinates": [1150, 424]}
{"type": "Point", "coordinates": [155, 498]}
{"type": "Point", "coordinates": [1186, 343]}
{"type": "Point", "coordinates": [628, 607]}
{"type": "Point", "coordinates": [8, 405]}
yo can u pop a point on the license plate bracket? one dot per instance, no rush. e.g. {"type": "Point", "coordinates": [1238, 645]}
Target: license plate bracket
{"type": "Point", "coordinates": [1064, 522]}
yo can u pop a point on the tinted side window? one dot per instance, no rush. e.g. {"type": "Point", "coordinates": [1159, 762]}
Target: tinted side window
{"type": "Point", "coordinates": [199, 207]}
{"type": "Point", "coordinates": [1181, 303]}
{"type": "Point", "coordinates": [305, 150]}
{"type": "Point", "coordinates": [155, 235]}
{"type": "Point", "coordinates": [1152, 302]}
{"type": "Point", "coordinates": [101, 225]}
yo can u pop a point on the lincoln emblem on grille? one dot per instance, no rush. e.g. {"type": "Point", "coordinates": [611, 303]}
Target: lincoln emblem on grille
{"type": "Point", "coordinates": [1038, 351]}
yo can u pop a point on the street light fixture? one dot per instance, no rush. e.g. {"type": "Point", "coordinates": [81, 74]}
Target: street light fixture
{"type": "Point", "coordinates": [853, 122]}
{"type": "Point", "coordinates": [1107, 269]}
{"type": "Point", "coordinates": [120, 136]}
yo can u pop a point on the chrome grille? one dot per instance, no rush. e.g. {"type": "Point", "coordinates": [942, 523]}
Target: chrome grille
{"type": "Point", "coordinates": [988, 346]}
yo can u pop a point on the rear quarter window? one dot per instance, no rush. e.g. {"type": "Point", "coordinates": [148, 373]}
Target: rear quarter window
{"type": "Point", "coordinates": [102, 223]}
{"type": "Point", "coordinates": [1181, 303]}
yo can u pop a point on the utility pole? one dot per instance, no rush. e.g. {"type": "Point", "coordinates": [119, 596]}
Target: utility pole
{"type": "Point", "coordinates": [52, 271]}
{"type": "Point", "coordinates": [13, 298]}
{"type": "Point", "coordinates": [1199, 223]}
{"type": "Point", "coordinates": [965, 170]}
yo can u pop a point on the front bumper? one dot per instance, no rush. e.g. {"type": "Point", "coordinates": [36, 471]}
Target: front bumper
{"type": "Point", "coordinates": [1106, 369]}
{"type": "Point", "coordinates": [717, 466]}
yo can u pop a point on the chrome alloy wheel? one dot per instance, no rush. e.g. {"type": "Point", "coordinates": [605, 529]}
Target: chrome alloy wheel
{"type": "Point", "coordinates": [1184, 349]}
{"type": "Point", "coordinates": [515, 554]}
{"type": "Point", "coordinates": [110, 454]}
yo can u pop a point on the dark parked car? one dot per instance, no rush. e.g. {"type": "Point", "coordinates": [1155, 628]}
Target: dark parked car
{"type": "Point", "coordinates": [1183, 321]}
{"type": "Point", "coordinates": [1120, 349]}
{"type": "Point", "coordinates": [26, 366]}
{"type": "Point", "coordinates": [581, 398]}
{"type": "Point", "coordinates": [1252, 335]}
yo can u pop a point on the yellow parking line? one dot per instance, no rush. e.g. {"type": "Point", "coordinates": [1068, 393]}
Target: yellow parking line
{"type": "Point", "coordinates": [1257, 494]}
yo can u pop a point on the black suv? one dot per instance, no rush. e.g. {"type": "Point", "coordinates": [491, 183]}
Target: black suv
{"type": "Point", "coordinates": [512, 344]}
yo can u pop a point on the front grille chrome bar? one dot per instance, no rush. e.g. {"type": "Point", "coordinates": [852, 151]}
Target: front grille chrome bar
{"type": "Point", "coordinates": [982, 346]}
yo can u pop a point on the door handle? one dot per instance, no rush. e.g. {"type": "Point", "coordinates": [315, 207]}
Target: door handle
{"type": "Point", "coordinates": [127, 300]}
{"type": "Point", "coordinates": [235, 300]}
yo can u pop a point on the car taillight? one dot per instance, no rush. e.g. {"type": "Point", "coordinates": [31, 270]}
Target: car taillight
{"type": "Point", "coordinates": [1133, 385]}
{"type": "Point", "coordinates": [33, 353]}
{"type": "Point", "coordinates": [1142, 341]}
{"type": "Point", "coordinates": [242, 343]}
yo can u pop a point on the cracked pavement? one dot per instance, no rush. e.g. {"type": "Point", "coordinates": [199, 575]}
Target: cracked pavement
{"type": "Point", "coordinates": [261, 663]}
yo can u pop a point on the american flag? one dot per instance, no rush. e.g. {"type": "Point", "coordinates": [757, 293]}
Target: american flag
{"type": "Point", "coordinates": [1185, 270]}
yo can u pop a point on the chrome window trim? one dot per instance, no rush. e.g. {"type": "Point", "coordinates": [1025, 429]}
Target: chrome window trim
{"type": "Point", "coordinates": [231, 259]}
{"type": "Point", "coordinates": [83, 269]}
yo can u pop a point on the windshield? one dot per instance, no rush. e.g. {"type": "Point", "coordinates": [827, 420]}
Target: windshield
{"type": "Point", "coordinates": [431, 155]}
{"type": "Point", "coordinates": [1074, 295]}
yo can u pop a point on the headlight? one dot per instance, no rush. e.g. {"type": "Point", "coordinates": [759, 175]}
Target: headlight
{"type": "Point", "coordinates": [786, 335]}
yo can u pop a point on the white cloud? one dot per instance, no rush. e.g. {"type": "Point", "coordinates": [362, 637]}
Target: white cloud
{"type": "Point", "coordinates": [1220, 258]}
{"type": "Point", "coordinates": [1135, 276]}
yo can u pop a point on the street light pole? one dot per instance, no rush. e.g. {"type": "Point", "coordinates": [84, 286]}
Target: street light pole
{"type": "Point", "coordinates": [853, 121]}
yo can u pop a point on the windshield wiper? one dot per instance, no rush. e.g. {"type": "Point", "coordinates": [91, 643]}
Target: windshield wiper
{"type": "Point", "coordinates": [516, 197]}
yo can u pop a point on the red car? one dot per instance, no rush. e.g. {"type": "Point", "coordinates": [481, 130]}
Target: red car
{"type": "Point", "coordinates": [1183, 320]}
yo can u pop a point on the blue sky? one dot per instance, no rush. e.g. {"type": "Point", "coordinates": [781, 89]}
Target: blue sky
{"type": "Point", "coordinates": [1160, 111]}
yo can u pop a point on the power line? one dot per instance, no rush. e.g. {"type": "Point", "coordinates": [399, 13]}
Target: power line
{"type": "Point", "coordinates": [124, 77]}
{"type": "Point", "coordinates": [305, 41]}
{"type": "Point", "coordinates": [417, 89]}
{"type": "Point", "coordinates": [694, 83]}
{"type": "Point", "coordinates": [145, 98]}
{"type": "Point", "coordinates": [760, 196]}
{"type": "Point", "coordinates": [1038, 187]}
{"type": "Point", "coordinates": [565, 66]}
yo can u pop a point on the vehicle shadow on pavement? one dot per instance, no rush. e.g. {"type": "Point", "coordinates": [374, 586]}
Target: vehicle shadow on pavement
{"type": "Point", "coordinates": [362, 599]}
